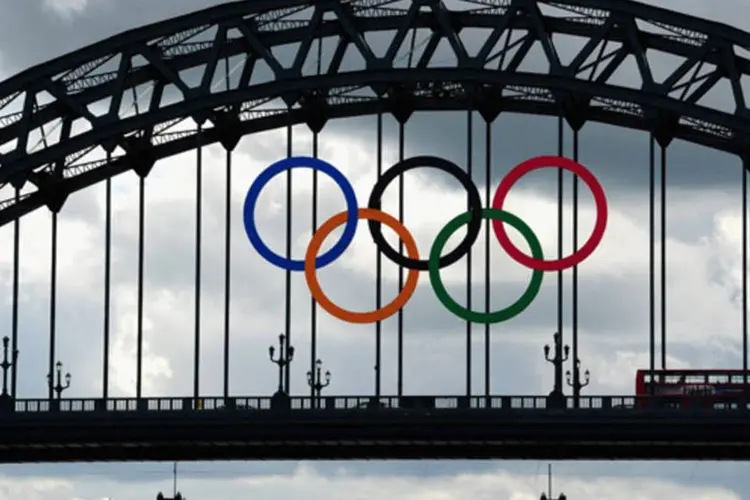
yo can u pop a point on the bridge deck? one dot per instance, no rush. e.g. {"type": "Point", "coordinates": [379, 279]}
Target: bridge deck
{"type": "Point", "coordinates": [368, 428]}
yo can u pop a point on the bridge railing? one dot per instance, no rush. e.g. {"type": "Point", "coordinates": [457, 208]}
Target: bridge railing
{"type": "Point", "coordinates": [353, 403]}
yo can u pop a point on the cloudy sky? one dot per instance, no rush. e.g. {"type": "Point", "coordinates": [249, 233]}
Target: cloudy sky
{"type": "Point", "coordinates": [703, 288]}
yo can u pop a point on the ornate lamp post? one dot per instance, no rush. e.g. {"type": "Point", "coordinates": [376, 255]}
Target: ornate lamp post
{"type": "Point", "coordinates": [6, 365]}
{"type": "Point", "coordinates": [556, 398]}
{"type": "Point", "coordinates": [574, 381]}
{"type": "Point", "coordinates": [315, 380]}
{"type": "Point", "coordinates": [561, 497]}
{"type": "Point", "coordinates": [59, 387]}
{"type": "Point", "coordinates": [285, 357]}
{"type": "Point", "coordinates": [6, 399]}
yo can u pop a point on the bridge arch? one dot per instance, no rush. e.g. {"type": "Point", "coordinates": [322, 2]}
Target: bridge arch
{"type": "Point", "coordinates": [487, 79]}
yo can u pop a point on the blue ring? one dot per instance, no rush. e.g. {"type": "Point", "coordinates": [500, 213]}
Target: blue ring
{"type": "Point", "coordinates": [316, 164]}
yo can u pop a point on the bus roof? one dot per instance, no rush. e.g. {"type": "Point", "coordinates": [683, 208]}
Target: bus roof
{"type": "Point", "coordinates": [688, 371]}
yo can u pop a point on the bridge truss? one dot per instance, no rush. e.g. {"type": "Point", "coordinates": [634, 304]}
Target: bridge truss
{"type": "Point", "coordinates": [244, 67]}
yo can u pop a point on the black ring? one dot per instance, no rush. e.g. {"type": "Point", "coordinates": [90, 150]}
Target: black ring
{"type": "Point", "coordinates": [475, 206]}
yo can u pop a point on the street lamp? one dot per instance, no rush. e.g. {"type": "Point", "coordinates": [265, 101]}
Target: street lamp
{"type": "Point", "coordinates": [6, 365]}
{"type": "Point", "coordinates": [574, 380]}
{"type": "Point", "coordinates": [286, 355]}
{"type": "Point", "coordinates": [59, 387]}
{"type": "Point", "coordinates": [556, 398]}
{"type": "Point", "coordinates": [315, 379]}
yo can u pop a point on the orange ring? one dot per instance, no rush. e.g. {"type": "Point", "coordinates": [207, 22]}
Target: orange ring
{"type": "Point", "coordinates": [360, 317]}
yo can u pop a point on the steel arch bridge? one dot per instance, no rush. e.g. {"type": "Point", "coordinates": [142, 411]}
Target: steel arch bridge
{"type": "Point", "coordinates": [89, 104]}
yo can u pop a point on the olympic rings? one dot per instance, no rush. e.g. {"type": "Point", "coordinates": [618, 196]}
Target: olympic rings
{"type": "Point", "coordinates": [473, 218]}
{"type": "Point", "coordinates": [599, 226]}
{"type": "Point", "coordinates": [504, 314]}
{"type": "Point", "coordinates": [371, 316]}
{"type": "Point", "coordinates": [252, 198]}
{"type": "Point", "coordinates": [475, 205]}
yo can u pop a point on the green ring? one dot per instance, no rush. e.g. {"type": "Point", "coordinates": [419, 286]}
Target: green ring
{"type": "Point", "coordinates": [477, 317]}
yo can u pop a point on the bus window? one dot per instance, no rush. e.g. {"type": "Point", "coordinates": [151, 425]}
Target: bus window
{"type": "Point", "coordinates": [695, 379]}
{"type": "Point", "coordinates": [725, 406]}
{"type": "Point", "coordinates": [739, 379]}
{"type": "Point", "coordinates": [718, 379]}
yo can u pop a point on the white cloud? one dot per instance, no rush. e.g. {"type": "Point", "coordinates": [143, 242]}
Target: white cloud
{"type": "Point", "coordinates": [701, 311]}
{"type": "Point", "coordinates": [703, 315]}
{"type": "Point", "coordinates": [342, 485]}
{"type": "Point", "coordinates": [67, 9]}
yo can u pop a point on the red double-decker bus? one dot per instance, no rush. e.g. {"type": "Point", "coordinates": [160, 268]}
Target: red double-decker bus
{"type": "Point", "coordinates": [720, 389]}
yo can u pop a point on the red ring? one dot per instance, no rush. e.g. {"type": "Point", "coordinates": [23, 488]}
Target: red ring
{"type": "Point", "coordinates": [599, 199]}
